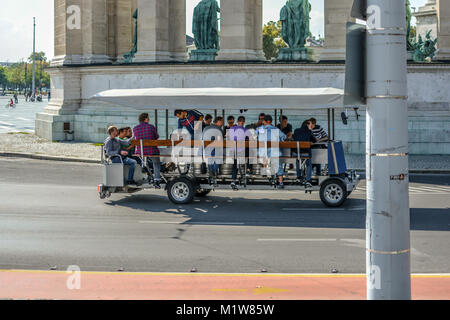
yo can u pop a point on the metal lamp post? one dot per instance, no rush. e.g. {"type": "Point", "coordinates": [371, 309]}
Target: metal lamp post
{"type": "Point", "coordinates": [33, 86]}
{"type": "Point", "coordinates": [387, 221]}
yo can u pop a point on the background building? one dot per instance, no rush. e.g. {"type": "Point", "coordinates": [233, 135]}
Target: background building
{"type": "Point", "coordinates": [89, 60]}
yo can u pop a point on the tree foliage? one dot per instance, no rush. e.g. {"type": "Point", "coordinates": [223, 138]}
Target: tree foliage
{"type": "Point", "coordinates": [13, 76]}
{"type": "Point", "coordinates": [272, 40]}
{"type": "Point", "coordinates": [3, 80]}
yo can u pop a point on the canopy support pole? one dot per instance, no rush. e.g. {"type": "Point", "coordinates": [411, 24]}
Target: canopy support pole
{"type": "Point", "coordinates": [167, 124]}
{"type": "Point", "coordinates": [333, 122]}
{"type": "Point", "coordinates": [329, 123]}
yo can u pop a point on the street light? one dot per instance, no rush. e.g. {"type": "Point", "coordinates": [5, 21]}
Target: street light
{"type": "Point", "coordinates": [376, 73]}
{"type": "Point", "coordinates": [33, 86]}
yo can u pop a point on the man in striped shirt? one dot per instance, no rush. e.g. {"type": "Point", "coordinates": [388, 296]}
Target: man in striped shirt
{"type": "Point", "coordinates": [318, 132]}
{"type": "Point", "coordinates": [320, 135]}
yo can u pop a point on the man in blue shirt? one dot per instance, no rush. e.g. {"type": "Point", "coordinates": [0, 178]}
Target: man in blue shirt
{"type": "Point", "coordinates": [268, 132]}
{"type": "Point", "coordinates": [189, 119]}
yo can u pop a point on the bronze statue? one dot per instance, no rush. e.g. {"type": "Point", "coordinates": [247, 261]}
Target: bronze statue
{"type": "Point", "coordinates": [424, 51]}
{"type": "Point", "coordinates": [128, 57]}
{"type": "Point", "coordinates": [295, 16]}
{"type": "Point", "coordinates": [205, 26]}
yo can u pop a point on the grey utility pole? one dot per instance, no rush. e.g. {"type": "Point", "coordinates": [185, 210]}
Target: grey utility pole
{"type": "Point", "coordinates": [387, 221]}
{"type": "Point", "coordinates": [33, 86]}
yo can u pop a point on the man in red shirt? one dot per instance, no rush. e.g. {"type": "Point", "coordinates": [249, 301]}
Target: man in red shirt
{"type": "Point", "coordinates": [145, 131]}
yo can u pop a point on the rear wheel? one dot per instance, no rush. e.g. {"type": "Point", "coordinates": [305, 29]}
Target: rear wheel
{"type": "Point", "coordinates": [181, 191]}
{"type": "Point", "coordinates": [333, 193]}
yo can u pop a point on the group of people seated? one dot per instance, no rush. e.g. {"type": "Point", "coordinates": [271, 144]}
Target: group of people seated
{"type": "Point", "coordinates": [119, 149]}
{"type": "Point", "coordinates": [262, 130]}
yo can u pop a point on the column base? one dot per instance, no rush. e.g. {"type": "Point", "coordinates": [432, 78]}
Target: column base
{"type": "Point", "coordinates": [241, 55]}
{"type": "Point", "coordinates": [295, 54]}
{"type": "Point", "coordinates": [203, 55]}
{"type": "Point", "coordinates": [152, 56]}
{"type": "Point", "coordinates": [443, 54]}
{"type": "Point", "coordinates": [51, 127]}
{"type": "Point", "coordinates": [333, 54]}
{"type": "Point", "coordinates": [80, 59]}
{"type": "Point", "coordinates": [179, 56]}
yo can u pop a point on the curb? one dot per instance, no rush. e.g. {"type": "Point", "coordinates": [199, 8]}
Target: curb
{"type": "Point", "coordinates": [44, 157]}
{"type": "Point", "coordinates": [84, 160]}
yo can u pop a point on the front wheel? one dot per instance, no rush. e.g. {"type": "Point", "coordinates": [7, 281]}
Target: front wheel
{"type": "Point", "coordinates": [181, 191]}
{"type": "Point", "coordinates": [333, 193]}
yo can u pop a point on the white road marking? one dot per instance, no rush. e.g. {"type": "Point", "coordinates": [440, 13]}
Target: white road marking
{"type": "Point", "coordinates": [6, 128]}
{"type": "Point", "coordinates": [299, 240]}
{"type": "Point", "coordinates": [310, 209]}
{"type": "Point", "coordinates": [324, 209]}
{"type": "Point", "coordinates": [194, 222]}
{"type": "Point", "coordinates": [218, 223]}
{"type": "Point", "coordinates": [416, 189]}
{"type": "Point", "coordinates": [161, 222]}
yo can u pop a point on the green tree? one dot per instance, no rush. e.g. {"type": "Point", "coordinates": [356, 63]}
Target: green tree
{"type": "Point", "coordinates": [42, 77]}
{"type": "Point", "coordinates": [40, 56]}
{"type": "Point", "coordinates": [413, 33]}
{"type": "Point", "coordinates": [272, 40]}
{"type": "Point", "coordinates": [15, 75]}
{"type": "Point", "coordinates": [3, 80]}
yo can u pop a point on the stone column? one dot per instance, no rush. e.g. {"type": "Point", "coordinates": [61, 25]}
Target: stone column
{"type": "Point", "coordinates": [124, 28]}
{"type": "Point", "coordinates": [112, 19]}
{"type": "Point", "coordinates": [81, 32]}
{"type": "Point", "coordinates": [161, 30]}
{"type": "Point", "coordinates": [241, 30]}
{"type": "Point", "coordinates": [68, 39]}
{"type": "Point", "coordinates": [426, 19]}
{"type": "Point", "coordinates": [177, 30]}
{"type": "Point", "coordinates": [95, 31]}
{"type": "Point", "coordinates": [443, 10]}
{"type": "Point", "coordinates": [337, 14]}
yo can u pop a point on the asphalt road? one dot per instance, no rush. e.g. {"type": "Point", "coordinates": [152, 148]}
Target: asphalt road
{"type": "Point", "coordinates": [50, 215]}
{"type": "Point", "coordinates": [22, 117]}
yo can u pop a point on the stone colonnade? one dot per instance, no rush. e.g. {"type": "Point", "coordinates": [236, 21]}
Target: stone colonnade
{"type": "Point", "coordinates": [443, 11]}
{"type": "Point", "coordinates": [107, 30]}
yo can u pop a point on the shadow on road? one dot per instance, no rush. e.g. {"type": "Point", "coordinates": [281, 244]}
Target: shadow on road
{"type": "Point", "coordinates": [224, 210]}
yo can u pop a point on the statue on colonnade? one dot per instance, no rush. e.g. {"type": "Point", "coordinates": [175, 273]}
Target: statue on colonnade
{"type": "Point", "coordinates": [205, 27]}
{"type": "Point", "coordinates": [295, 20]}
{"type": "Point", "coordinates": [128, 57]}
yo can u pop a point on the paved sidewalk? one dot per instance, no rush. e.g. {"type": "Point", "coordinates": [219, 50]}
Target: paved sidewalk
{"type": "Point", "coordinates": [21, 284]}
{"type": "Point", "coordinates": [25, 144]}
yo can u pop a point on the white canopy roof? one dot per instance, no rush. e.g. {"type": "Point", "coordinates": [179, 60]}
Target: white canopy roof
{"type": "Point", "coordinates": [230, 98]}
